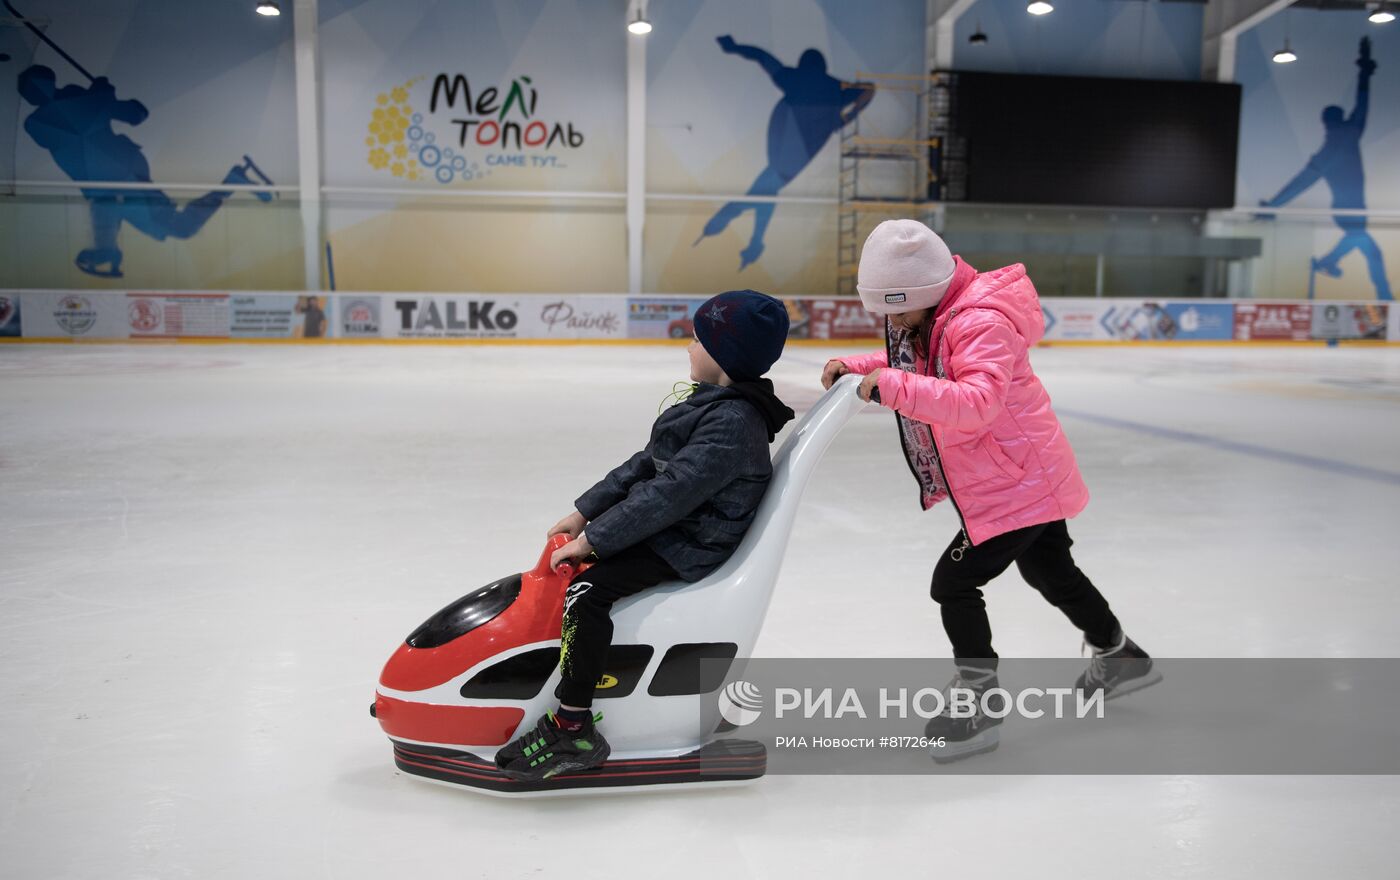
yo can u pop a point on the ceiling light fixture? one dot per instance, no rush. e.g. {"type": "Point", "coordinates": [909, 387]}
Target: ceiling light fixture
{"type": "Point", "coordinates": [1286, 55]}
{"type": "Point", "coordinates": [639, 25]}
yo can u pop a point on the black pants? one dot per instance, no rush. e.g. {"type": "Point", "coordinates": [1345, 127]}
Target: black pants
{"type": "Point", "coordinates": [1042, 554]}
{"type": "Point", "coordinates": [588, 628]}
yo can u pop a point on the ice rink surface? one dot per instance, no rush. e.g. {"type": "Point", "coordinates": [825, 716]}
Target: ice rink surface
{"type": "Point", "coordinates": [207, 553]}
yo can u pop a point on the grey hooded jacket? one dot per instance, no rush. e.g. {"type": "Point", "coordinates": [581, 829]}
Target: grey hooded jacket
{"type": "Point", "coordinates": [691, 494]}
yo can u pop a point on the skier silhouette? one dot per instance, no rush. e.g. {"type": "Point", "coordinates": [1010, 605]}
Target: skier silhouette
{"type": "Point", "coordinates": [814, 106]}
{"type": "Point", "coordinates": [75, 125]}
{"type": "Point", "coordinates": [1339, 163]}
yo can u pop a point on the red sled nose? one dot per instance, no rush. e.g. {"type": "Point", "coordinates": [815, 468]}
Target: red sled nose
{"type": "Point", "coordinates": [514, 611]}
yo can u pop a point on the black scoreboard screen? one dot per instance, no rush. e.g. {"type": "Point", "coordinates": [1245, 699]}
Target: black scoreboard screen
{"type": "Point", "coordinates": [1088, 141]}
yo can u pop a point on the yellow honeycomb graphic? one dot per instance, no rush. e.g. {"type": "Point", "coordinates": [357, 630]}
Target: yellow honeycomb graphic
{"type": "Point", "coordinates": [388, 126]}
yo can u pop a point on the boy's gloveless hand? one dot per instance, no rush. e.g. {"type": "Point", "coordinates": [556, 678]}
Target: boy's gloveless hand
{"type": "Point", "coordinates": [833, 370]}
{"type": "Point", "coordinates": [570, 525]}
{"type": "Point", "coordinates": [576, 550]}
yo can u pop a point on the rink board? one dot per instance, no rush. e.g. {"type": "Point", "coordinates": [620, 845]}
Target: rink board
{"type": "Point", "coordinates": [427, 318]}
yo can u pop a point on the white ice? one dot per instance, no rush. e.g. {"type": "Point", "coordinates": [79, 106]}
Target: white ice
{"type": "Point", "coordinates": [207, 553]}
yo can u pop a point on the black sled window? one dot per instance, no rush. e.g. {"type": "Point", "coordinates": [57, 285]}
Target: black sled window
{"type": "Point", "coordinates": [515, 678]}
{"type": "Point", "coordinates": [466, 614]}
{"type": "Point", "coordinates": [522, 676]}
{"type": "Point", "coordinates": [680, 671]}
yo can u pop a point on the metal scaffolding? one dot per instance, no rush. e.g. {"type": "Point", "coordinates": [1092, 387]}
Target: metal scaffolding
{"type": "Point", "coordinates": [887, 173]}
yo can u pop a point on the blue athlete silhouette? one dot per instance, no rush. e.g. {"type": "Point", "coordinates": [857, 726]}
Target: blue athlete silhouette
{"type": "Point", "coordinates": [1339, 163]}
{"type": "Point", "coordinates": [75, 125]}
{"type": "Point", "coordinates": [814, 106]}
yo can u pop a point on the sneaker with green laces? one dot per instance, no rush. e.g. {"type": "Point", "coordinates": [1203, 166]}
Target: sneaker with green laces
{"type": "Point", "coordinates": [549, 749]}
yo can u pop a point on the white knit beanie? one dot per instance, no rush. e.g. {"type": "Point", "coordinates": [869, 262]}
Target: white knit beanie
{"type": "Point", "coordinates": [904, 267]}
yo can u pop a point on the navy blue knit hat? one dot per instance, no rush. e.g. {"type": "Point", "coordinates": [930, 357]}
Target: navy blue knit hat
{"type": "Point", "coordinates": [743, 330]}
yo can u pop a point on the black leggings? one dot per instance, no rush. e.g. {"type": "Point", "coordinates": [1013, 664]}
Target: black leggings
{"type": "Point", "coordinates": [1042, 554]}
{"type": "Point", "coordinates": [588, 628]}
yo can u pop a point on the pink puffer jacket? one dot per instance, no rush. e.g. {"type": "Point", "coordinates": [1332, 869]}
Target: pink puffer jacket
{"type": "Point", "coordinates": [1005, 458]}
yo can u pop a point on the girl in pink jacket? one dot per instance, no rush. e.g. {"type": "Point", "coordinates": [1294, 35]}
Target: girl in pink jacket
{"type": "Point", "coordinates": [977, 429]}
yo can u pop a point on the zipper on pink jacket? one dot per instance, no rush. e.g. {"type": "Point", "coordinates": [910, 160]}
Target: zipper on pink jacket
{"type": "Point", "coordinates": [947, 480]}
{"type": "Point", "coordinates": [933, 438]}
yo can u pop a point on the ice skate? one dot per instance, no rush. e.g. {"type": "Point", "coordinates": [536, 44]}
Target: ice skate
{"type": "Point", "coordinates": [245, 174]}
{"type": "Point", "coordinates": [91, 260]}
{"type": "Point", "coordinates": [1118, 670]}
{"type": "Point", "coordinates": [719, 222]}
{"type": "Point", "coordinates": [749, 255]}
{"type": "Point", "coordinates": [976, 734]}
{"type": "Point", "coordinates": [1331, 270]}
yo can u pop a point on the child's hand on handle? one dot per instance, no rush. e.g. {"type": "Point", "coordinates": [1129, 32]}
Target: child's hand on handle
{"type": "Point", "coordinates": [833, 370]}
{"type": "Point", "coordinates": [870, 386]}
{"type": "Point", "coordinates": [570, 525]}
{"type": "Point", "coordinates": [573, 552]}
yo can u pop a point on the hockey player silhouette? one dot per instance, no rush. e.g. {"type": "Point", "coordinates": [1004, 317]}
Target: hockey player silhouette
{"type": "Point", "coordinates": [814, 106]}
{"type": "Point", "coordinates": [74, 124]}
{"type": "Point", "coordinates": [1339, 163]}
